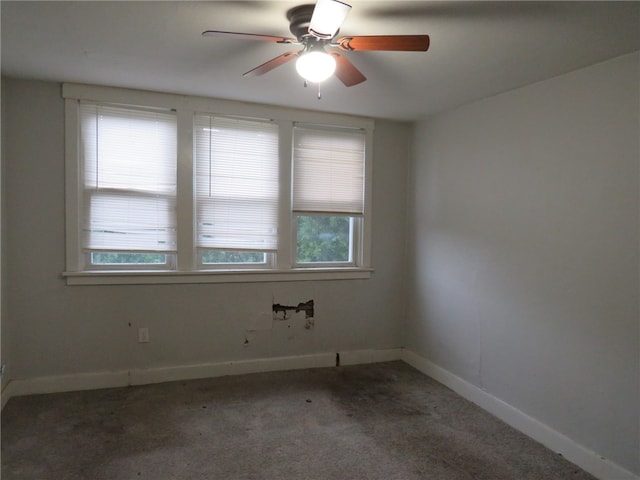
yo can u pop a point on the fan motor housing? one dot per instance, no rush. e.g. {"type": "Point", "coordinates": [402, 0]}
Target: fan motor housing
{"type": "Point", "coordinates": [299, 19]}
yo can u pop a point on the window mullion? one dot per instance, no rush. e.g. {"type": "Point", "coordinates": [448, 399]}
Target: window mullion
{"type": "Point", "coordinates": [364, 225]}
{"type": "Point", "coordinates": [185, 192]}
{"type": "Point", "coordinates": [285, 230]}
{"type": "Point", "coordinates": [73, 185]}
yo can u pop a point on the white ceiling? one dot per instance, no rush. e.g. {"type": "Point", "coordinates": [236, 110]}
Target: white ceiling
{"type": "Point", "coordinates": [477, 49]}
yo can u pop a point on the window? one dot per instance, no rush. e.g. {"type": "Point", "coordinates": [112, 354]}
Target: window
{"type": "Point", "coordinates": [328, 194]}
{"type": "Point", "coordinates": [236, 191]}
{"type": "Point", "coordinates": [128, 165]}
{"type": "Point", "coordinates": [174, 189]}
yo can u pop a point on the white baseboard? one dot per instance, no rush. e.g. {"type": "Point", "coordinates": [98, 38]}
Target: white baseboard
{"type": "Point", "coordinates": [360, 357]}
{"type": "Point", "coordinates": [96, 380]}
{"type": "Point", "coordinates": [5, 395]}
{"type": "Point", "coordinates": [586, 459]}
{"type": "Point", "coordinates": [239, 367]}
{"type": "Point", "coordinates": [64, 383]}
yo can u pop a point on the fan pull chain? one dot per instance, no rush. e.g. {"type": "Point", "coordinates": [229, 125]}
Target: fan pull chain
{"type": "Point", "coordinates": [306, 84]}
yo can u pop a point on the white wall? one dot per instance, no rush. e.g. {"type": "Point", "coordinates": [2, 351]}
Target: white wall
{"type": "Point", "coordinates": [525, 238]}
{"type": "Point", "coordinates": [4, 334]}
{"type": "Point", "coordinates": [59, 329]}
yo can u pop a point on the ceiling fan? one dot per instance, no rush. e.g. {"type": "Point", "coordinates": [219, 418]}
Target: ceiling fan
{"type": "Point", "coordinates": [315, 28]}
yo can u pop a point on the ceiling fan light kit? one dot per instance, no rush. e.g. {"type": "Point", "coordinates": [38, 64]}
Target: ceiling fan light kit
{"type": "Point", "coordinates": [315, 66]}
{"type": "Point", "coordinates": [315, 27]}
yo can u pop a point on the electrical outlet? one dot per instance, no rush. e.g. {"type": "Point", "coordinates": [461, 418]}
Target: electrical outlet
{"type": "Point", "coordinates": [143, 335]}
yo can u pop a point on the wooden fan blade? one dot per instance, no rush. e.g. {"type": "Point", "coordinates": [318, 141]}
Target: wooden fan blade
{"type": "Point", "coordinates": [271, 64]}
{"type": "Point", "coordinates": [398, 43]}
{"type": "Point", "coordinates": [346, 71]}
{"type": "Point", "coordinates": [249, 36]}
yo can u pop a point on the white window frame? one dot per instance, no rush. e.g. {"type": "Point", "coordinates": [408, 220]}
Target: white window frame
{"type": "Point", "coordinates": [188, 265]}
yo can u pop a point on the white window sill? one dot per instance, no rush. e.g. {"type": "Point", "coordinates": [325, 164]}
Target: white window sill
{"type": "Point", "coordinates": [127, 277]}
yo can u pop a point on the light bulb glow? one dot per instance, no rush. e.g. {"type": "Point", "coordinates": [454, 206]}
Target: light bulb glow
{"type": "Point", "coordinates": [316, 66]}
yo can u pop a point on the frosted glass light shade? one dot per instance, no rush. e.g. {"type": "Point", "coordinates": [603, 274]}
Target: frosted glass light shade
{"type": "Point", "coordinates": [327, 17]}
{"type": "Point", "coordinates": [316, 67]}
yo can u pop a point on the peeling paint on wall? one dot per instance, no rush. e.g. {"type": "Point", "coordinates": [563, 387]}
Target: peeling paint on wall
{"type": "Point", "coordinates": [280, 311]}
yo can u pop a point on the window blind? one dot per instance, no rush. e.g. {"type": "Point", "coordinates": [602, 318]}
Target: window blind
{"type": "Point", "coordinates": [328, 170]}
{"type": "Point", "coordinates": [129, 178]}
{"type": "Point", "coordinates": [236, 183]}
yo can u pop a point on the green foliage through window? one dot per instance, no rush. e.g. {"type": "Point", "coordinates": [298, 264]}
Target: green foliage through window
{"type": "Point", "coordinates": [220, 256]}
{"type": "Point", "coordinates": [120, 258]}
{"type": "Point", "coordinates": [323, 239]}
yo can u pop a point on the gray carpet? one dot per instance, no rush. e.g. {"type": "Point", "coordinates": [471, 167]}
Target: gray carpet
{"type": "Point", "coordinates": [382, 421]}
